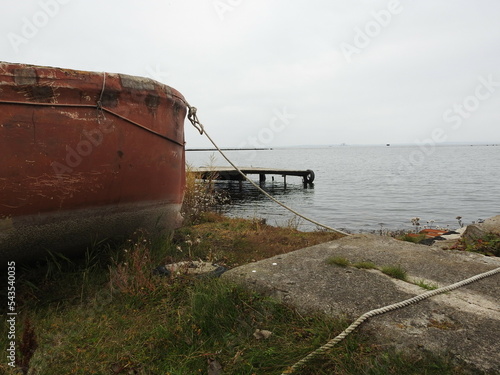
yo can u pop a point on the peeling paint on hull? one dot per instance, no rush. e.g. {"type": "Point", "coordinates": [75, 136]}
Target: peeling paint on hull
{"type": "Point", "coordinates": [86, 156]}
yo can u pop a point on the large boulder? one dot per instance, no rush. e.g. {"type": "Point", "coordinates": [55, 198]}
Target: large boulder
{"type": "Point", "coordinates": [488, 227]}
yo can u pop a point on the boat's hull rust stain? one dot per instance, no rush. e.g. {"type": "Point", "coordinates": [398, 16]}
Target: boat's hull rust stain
{"type": "Point", "coordinates": [74, 171]}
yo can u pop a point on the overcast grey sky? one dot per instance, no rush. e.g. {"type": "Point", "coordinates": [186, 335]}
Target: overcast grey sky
{"type": "Point", "coordinates": [280, 73]}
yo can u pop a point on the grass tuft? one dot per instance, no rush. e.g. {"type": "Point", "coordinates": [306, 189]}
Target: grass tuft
{"type": "Point", "coordinates": [338, 261]}
{"type": "Point", "coordinates": [425, 285]}
{"type": "Point", "coordinates": [365, 265]}
{"type": "Point", "coordinates": [396, 272]}
{"type": "Point", "coordinates": [201, 197]}
{"type": "Point", "coordinates": [131, 270]}
{"type": "Point", "coordinates": [411, 237]}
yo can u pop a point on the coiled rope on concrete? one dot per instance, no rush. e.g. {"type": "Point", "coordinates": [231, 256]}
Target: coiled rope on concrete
{"type": "Point", "coordinates": [192, 116]}
{"type": "Point", "coordinates": [330, 344]}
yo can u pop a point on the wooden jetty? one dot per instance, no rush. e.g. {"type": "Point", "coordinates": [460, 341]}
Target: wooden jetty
{"type": "Point", "coordinates": [229, 173]}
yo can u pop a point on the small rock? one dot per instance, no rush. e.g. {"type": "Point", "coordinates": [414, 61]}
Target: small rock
{"type": "Point", "coordinates": [262, 334]}
{"type": "Point", "coordinates": [488, 226]}
{"type": "Point", "coordinates": [198, 268]}
{"type": "Point", "coordinates": [162, 271]}
{"type": "Point", "coordinates": [214, 367]}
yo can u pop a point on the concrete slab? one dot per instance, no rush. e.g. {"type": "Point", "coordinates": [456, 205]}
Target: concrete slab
{"type": "Point", "coordinates": [464, 323]}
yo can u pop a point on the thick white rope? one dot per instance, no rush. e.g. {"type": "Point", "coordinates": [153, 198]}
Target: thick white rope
{"type": "Point", "coordinates": [382, 310]}
{"type": "Point", "coordinates": [196, 123]}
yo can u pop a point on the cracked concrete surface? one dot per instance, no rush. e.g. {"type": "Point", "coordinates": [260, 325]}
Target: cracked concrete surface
{"type": "Point", "coordinates": [464, 323]}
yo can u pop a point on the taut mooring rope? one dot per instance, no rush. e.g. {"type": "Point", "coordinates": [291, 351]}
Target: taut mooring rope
{"type": "Point", "coordinates": [196, 123]}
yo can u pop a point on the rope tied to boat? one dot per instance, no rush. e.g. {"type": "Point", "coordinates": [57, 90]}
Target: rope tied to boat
{"type": "Point", "coordinates": [100, 110]}
{"type": "Point", "coordinates": [192, 116]}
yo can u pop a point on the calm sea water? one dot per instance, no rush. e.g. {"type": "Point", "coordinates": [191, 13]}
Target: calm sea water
{"type": "Point", "coordinates": [358, 188]}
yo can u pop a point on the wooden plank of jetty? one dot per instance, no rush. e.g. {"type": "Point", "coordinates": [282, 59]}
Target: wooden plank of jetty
{"type": "Point", "coordinates": [229, 173]}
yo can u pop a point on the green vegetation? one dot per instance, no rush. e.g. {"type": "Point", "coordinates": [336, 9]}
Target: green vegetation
{"type": "Point", "coordinates": [425, 285]}
{"type": "Point", "coordinates": [338, 261]}
{"type": "Point", "coordinates": [412, 237]}
{"type": "Point", "coordinates": [201, 197]}
{"type": "Point", "coordinates": [487, 245]}
{"type": "Point", "coordinates": [393, 271]}
{"type": "Point", "coordinates": [396, 272]}
{"type": "Point", "coordinates": [108, 313]}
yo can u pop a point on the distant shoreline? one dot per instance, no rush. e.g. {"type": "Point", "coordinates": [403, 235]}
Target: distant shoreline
{"type": "Point", "coordinates": [457, 144]}
{"type": "Point", "coordinates": [228, 149]}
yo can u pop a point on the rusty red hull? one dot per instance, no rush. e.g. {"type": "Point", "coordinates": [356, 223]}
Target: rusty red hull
{"type": "Point", "coordinates": [86, 156]}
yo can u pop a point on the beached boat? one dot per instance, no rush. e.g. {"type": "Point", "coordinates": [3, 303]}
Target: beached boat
{"type": "Point", "coordinates": [86, 156]}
